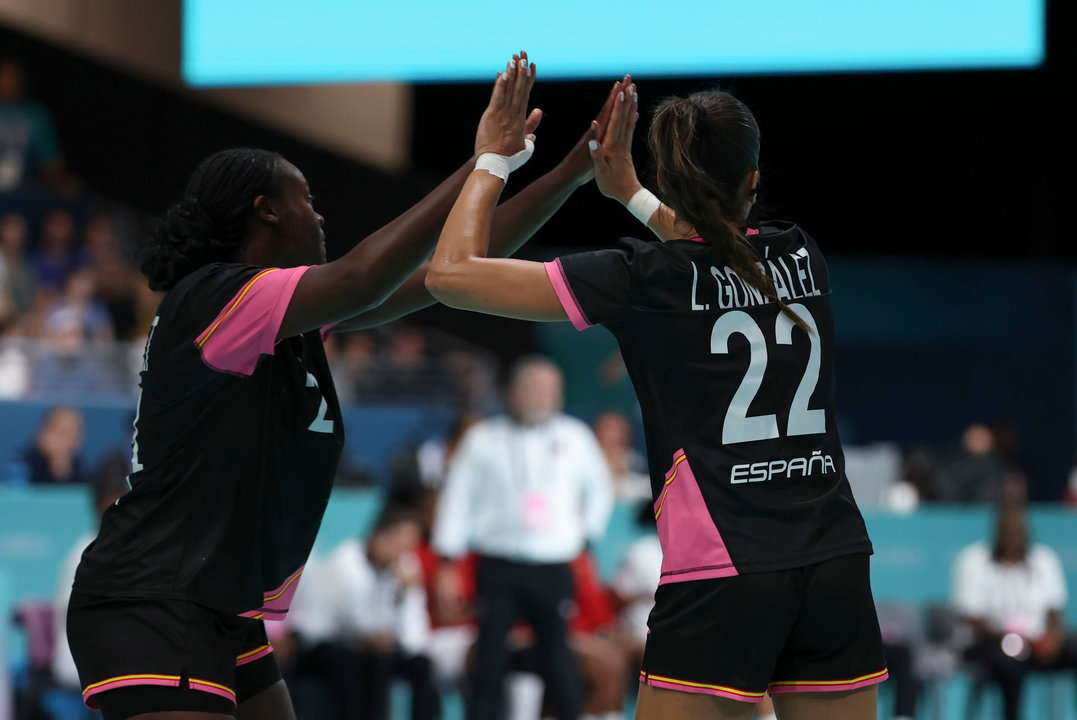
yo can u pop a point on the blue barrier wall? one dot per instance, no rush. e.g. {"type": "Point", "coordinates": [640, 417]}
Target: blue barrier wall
{"type": "Point", "coordinates": [374, 433]}
{"type": "Point", "coordinates": [913, 553]}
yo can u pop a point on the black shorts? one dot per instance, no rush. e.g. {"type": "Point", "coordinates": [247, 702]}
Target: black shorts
{"type": "Point", "coordinates": [808, 629]}
{"type": "Point", "coordinates": [150, 655]}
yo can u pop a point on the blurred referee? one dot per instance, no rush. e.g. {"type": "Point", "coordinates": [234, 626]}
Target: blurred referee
{"type": "Point", "coordinates": [525, 492]}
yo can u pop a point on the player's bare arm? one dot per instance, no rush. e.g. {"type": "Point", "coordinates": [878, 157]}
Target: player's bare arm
{"type": "Point", "coordinates": [461, 273]}
{"type": "Point", "coordinates": [514, 221]}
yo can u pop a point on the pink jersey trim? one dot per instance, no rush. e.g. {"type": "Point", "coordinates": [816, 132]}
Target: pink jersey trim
{"type": "Point", "coordinates": [277, 601]}
{"type": "Point", "coordinates": [206, 686]}
{"type": "Point", "coordinates": [702, 688]}
{"type": "Point", "coordinates": [247, 327]}
{"type": "Point", "coordinates": [829, 685]}
{"type": "Point", "coordinates": [256, 654]}
{"type": "Point", "coordinates": [575, 313]}
{"type": "Point", "coordinates": [748, 233]}
{"type": "Point", "coordinates": [692, 546]}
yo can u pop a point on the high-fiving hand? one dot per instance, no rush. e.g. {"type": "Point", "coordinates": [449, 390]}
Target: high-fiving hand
{"type": "Point", "coordinates": [506, 122]}
{"type": "Point", "coordinates": [615, 174]}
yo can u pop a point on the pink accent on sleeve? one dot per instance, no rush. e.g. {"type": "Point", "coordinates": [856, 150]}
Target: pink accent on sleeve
{"type": "Point", "coordinates": [751, 231]}
{"type": "Point", "coordinates": [247, 327]}
{"type": "Point", "coordinates": [692, 547]}
{"type": "Point", "coordinates": [556, 273]}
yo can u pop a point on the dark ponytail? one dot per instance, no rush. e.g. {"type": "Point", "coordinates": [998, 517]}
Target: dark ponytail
{"type": "Point", "coordinates": [706, 146]}
{"type": "Point", "coordinates": [211, 223]}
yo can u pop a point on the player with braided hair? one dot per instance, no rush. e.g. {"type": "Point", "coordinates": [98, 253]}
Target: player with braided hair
{"type": "Point", "coordinates": [238, 429]}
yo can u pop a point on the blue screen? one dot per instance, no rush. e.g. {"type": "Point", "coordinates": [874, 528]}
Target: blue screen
{"type": "Point", "coordinates": [252, 42]}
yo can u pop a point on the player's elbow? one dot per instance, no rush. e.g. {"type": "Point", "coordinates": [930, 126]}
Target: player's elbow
{"type": "Point", "coordinates": [447, 282]}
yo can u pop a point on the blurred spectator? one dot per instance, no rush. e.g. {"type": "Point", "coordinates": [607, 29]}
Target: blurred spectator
{"type": "Point", "coordinates": [16, 278]}
{"type": "Point", "coordinates": [475, 377]}
{"type": "Point", "coordinates": [525, 492]}
{"type": "Point", "coordinates": [365, 610]}
{"type": "Point", "coordinates": [603, 661]}
{"type": "Point", "coordinates": [433, 456]}
{"type": "Point", "coordinates": [874, 473]}
{"type": "Point", "coordinates": [116, 280]}
{"type": "Point", "coordinates": [406, 371]}
{"type": "Point", "coordinates": [1013, 594]}
{"type": "Point", "coordinates": [627, 467]}
{"type": "Point", "coordinates": [350, 356]}
{"type": "Point", "coordinates": [973, 472]}
{"type": "Point", "coordinates": [15, 375]}
{"type": "Point", "coordinates": [79, 308]}
{"type": "Point", "coordinates": [635, 583]}
{"type": "Point", "coordinates": [109, 484]}
{"type": "Point", "coordinates": [59, 254]}
{"type": "Point", "coordinates": [54, 458]}
{"type": "Point", "coordinates": [28, 146]}
{"type": "Point", "coordinates": [74, 355]}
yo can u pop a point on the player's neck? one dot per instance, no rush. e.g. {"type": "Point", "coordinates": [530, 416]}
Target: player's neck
{"type": "Point", "coordinates": [261, 251]}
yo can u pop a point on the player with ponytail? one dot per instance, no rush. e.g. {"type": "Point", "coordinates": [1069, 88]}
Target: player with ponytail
{"type": "Point", "coordinates": [726, 330]}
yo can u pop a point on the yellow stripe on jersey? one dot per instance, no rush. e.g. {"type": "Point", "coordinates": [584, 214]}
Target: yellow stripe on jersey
{"type": "Point", "coordinates": [235, 304]}
{"type": "Point", "coordinates": [665, 490]}
{"type": "Point", "coordinates": [255, 651]}
{"type": "Point", "coordinates": [287, 585]}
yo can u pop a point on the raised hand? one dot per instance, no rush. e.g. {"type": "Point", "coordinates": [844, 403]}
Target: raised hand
{"type": "Point", "coordinates": [505, 122]}
{"type": "Point", "coordinates": [578, 161]}
{"type": "Point", "coordinates": [611, 155]}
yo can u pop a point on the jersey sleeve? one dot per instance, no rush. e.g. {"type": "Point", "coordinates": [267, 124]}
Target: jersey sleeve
{"type": "Point", "coordinates": [594, 287]}
{"type": "Point", "coordinates": [238, 312]}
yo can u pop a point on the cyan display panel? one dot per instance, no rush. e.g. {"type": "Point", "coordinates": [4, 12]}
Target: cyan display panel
{"type": "Point", "coordinates": [249, 42]}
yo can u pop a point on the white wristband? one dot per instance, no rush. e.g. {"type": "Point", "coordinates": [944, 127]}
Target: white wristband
{"type": "Point", "coordinates": [643, 205]}
{"type": "Point", "coordinates": [501, 165]}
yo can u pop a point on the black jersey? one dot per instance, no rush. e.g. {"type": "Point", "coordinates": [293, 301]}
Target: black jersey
{"type": "Point", "coordinates": [236, 443]}
{"type": "Point", "coordinates": [738, 402]}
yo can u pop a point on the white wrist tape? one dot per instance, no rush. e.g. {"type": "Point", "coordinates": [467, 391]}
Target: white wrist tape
{"type": "Point", "coordinates": [643, 205]}
{"type": "Point", "coordinates": [502, 165]}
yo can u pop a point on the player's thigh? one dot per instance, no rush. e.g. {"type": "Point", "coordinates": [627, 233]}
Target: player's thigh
{"type": "Point", "coordinates": [860, 704]}
{"type": "Point", "coordinates": [273, 703]}
{"type": "Point", "coordinates": [660, 704]}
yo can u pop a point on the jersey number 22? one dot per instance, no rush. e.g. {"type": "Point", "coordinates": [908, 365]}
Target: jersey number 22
{"type": "Point", "coordinates": [738, 426]}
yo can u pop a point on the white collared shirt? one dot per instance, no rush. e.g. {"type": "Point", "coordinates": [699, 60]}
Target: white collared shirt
{"type": "Point", "coordinates": [1009, 598]}
{"type": "Point", "coordinates": [346, 598]}
{"type": "Point", "coordinates": [526, 493]}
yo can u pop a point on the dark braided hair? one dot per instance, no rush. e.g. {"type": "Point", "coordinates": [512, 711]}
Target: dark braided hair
{"type": "Point", "coordinates": [211, 222]}
{"type": "Point", "coordinates": [706, 145]}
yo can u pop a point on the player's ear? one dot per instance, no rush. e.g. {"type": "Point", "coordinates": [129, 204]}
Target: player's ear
{"type": "Point", "coordinates": [752, 187]}
{"type": "Point", "coordinates": [265, 209]}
